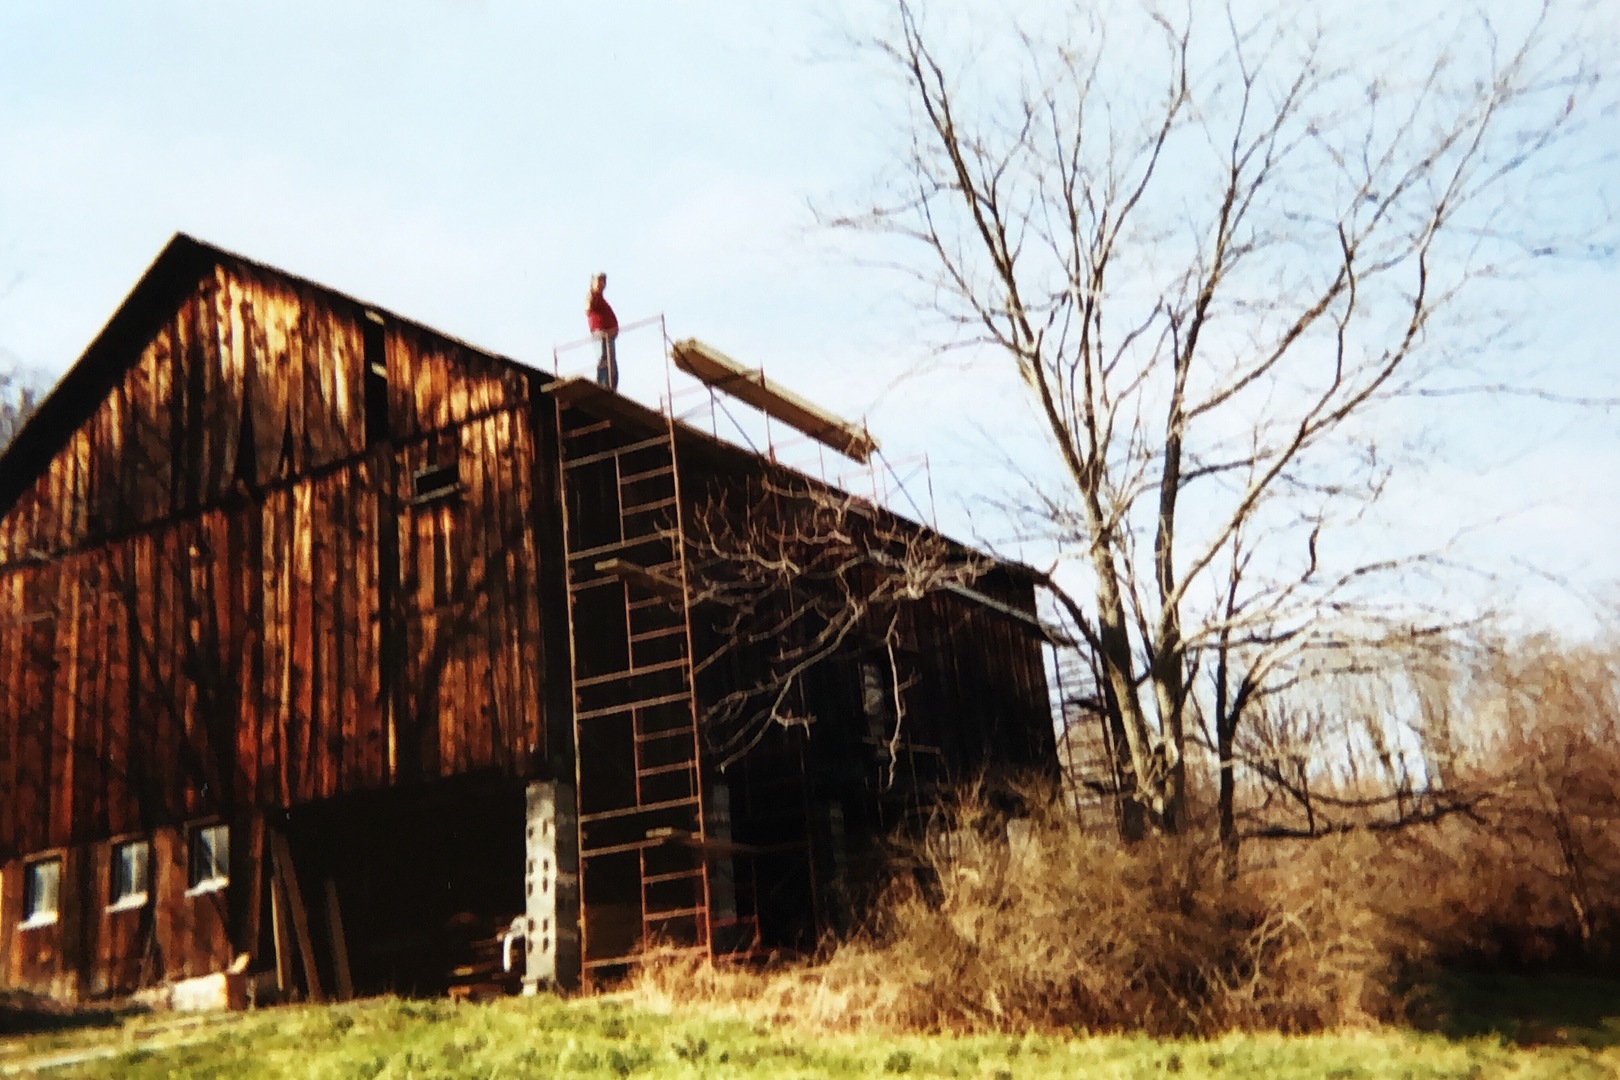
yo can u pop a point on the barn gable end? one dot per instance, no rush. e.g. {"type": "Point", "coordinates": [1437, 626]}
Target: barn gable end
{"type": "Point", "coordinates": [215, 546]}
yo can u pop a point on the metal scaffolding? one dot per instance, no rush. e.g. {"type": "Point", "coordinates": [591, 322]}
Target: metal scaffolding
{"type": "Point", "coordinates": [638, 751]}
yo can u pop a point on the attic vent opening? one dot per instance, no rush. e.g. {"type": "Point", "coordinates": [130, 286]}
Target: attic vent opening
{"type": "Point", "coordinates": [435, 482]}
{"type": "Point", "coordinates": [376, 361]}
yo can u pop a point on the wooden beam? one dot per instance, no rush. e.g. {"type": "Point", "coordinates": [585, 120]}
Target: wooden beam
{"type": "Point", "coordinates": [340, 947]}
{"type": "Point", "coordinates": [653, 582]}
{"type": "Point", "coordinates": [602, 402]}
{"type": "Point", "coordinates": [300, 917]}
{"type": "Point", "coordinates": [254, 915]}
{"type": "Point", "coordinates": [718, 848]}
{"type": "Point", "coordinates": [278, 929]}
{"type": "Point", "coordinates": [750, 386]}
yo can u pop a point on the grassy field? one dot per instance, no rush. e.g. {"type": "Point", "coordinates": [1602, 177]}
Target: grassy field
{"type": "Point", "coordinates": [1564, 1029]}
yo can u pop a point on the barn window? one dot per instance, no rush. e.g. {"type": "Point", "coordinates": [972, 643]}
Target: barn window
{"type": "Point", "coordinates": [210, 858]}
{"type": "Point", "coordinates": [131, 874]}
{"type": "Point", "coordinates": [877, 699]}
{"type": "Point", "coordinates": [42, 890]}
{"type": "Point", "coordinates": [435, 482]}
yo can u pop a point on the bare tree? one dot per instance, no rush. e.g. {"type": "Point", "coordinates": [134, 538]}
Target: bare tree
{"type": "Point", "coordinates": [787, 575]}
{"type": "Point", "coordinates": [19, 389]}
{"type": "Point", "coordinates": [1213, 245]}
{"type": "Point", "coordinates": [18, 397]}
{"type": "Point", "coordinates": [1371, 747]}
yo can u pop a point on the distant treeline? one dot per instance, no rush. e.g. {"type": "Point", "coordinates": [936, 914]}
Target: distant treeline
{"type": "Point", "coordinates": [20, 391]}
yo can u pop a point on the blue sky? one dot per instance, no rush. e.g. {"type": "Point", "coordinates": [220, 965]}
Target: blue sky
{"type": "Point", "coordinates": [469, 163]}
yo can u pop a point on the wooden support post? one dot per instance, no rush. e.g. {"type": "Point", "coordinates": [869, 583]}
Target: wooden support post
{"type": "Point", "coordinates": [340, 947]}
{"type": "Point", "coordinates": [253, 917]}
{"type": "Point", "coordinates": [300, 917]}
{"type": "Point", "coordinates": [278, 929]}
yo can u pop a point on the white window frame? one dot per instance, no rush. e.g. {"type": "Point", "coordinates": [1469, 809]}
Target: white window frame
{"type": "Point", "coordinates": [136, 897]}
{"type": "Point", "coordinates": [220, 870]}
{"type": "Point", "coordinates": [36, 917]}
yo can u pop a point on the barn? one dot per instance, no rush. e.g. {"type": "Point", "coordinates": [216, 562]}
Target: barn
{"type": "Point", "coordinates": [339, 649]}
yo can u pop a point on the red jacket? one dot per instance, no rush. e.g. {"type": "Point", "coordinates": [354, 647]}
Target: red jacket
{"type": "Point", "coordinates": [599, 313]}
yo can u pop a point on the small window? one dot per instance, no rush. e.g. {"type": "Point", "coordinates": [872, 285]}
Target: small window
{"type": "Point", "coordinates": [437, 482]}
{"type": "Point", "coordinates": [877, 700]}
{"type": "Point", "coordinates": [131, 874]}
{"type": "Point", "coordinates": [42, 890]}
{"type": "Point", "coordinates": [210, 858]}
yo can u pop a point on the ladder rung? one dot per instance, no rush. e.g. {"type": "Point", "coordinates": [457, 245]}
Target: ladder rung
{"type": "Point", "coordinates": [665, 569]}
{"type": "Point", "coordinates": [620, 849]}
{"type": "Point", "coordinates": [618, 545]}
{"type": "Point", "coordinates": [643, 508]}
{"type": "Point", "coordinates": [631, 673]}
{"type": "Point", "coordinates": [650, 635]}
{"type": "Point", "coordinates": [611, 961]}
{"type": "Point", "coordinates": [665, 770]}
{"type": "Point", "coordinates": [587, 429]}
{"type": "Point", "coordinates": [673, 913]}
{"type": "Point", "coordinates": [627, 448]}
{"type": "Point", "coordinates": [669, 733]}
{"type": "Point", "coordinates": [646, 474]}
{"type": "Point", "coordinates": [631, 811]}
{"type": "Point", "coordinates": [581, 586]}
{"type": "Point", "coordinates": [637, 957]}
{"type": "Point", "coordinates": [630, 706]}
{"type": "Point", "coordinates": [678, 875]}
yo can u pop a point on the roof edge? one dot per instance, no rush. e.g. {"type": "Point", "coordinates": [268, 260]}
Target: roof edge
{"type": "Point", "coordinates": [182, 258]}
{"type": "Point", "coordinates": [178, 266]}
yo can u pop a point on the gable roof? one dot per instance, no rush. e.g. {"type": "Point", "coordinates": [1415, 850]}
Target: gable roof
{"type": "Point", "coordinates": [183, 263]}
{"type": "Point", "coordinates": [178, 268]}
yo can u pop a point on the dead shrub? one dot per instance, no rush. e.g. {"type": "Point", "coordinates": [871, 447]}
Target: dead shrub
{"type": "Point", "coordinates": [1529, 879]}
{"type": "Point", "coordinates": [1035, 924]}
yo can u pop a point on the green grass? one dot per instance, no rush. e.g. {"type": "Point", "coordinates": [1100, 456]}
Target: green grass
{"type": "Point", "coordinates": [542, 1037]}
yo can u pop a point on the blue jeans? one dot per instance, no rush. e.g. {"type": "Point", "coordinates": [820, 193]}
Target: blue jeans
{"type": "Point", "coordinates": [607, 365]}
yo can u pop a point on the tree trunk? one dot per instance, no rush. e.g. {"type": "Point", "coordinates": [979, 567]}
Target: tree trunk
{"type": "Point", "coordinates": [1146, 776]}
{"type": "Point", "coordinates": [1226, 798]}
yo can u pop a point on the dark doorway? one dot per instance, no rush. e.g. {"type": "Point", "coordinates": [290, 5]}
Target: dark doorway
{"type": "Point", "coordinates": [425, 878]}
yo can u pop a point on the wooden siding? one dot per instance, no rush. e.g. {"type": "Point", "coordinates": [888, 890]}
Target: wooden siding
{"type": "Point", "coordinates": [981, 693]}
{"type": "Point", "coordinates": [254, 380]}
{"type": "Point", "coordinates": [92, 950]}
{"type": "Point", "coordinates": [249, 381]}
{"type": "Point", "coordinates": [195, 608]}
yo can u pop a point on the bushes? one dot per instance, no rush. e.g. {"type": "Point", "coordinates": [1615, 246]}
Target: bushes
{"type": "Point", "coordinates": [1060, 928]}
{"type": "Point", "coordinates": [1529, 879]}
{"type": "Point", "coordinates": [1051, 928]}
{"type": "Point", "coordinates": [1037, 924]}
{"type": "Point", "coordinates": [1040, 926]}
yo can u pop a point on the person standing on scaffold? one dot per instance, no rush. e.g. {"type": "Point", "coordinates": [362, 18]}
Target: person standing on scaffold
{"type": "Point", "coordinates": [605, 329]}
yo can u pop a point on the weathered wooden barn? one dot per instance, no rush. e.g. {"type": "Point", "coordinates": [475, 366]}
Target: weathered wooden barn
{"type": "Point", "coordinates": [333, 641]}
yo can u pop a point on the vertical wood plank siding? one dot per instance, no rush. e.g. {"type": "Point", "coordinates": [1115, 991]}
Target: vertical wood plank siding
{"type": "Point", "coordinates": [266, 548]}
{"type": "Point", "coordinates": [192, 612]}
{"type": "Point", "coordinates": [92, 950]}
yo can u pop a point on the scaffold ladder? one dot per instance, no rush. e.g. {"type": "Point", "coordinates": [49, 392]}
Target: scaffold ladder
{"type": "Point", "coordinates": [637, 748]}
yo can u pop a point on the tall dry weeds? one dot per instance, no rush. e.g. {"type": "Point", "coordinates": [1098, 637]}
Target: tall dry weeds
{"type": "Point", "coordinates": [1532, 878]}
{"type": "Point", "coordinates": [1036, 923]}
{"type": "Point", "coordinates": [1042, 926]}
